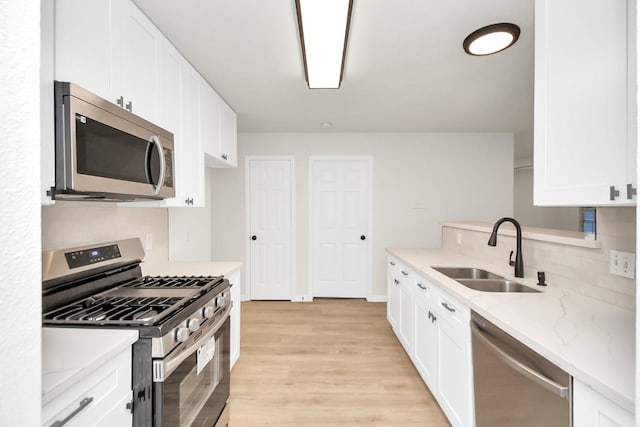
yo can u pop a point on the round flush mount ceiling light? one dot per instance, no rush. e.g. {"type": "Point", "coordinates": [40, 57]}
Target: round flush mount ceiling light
{"type": "Point", "coordinates": [491, 39]}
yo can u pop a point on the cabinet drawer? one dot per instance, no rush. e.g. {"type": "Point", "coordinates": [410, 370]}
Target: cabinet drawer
{"type": "Point", "coordinates": [96, 395]}
{"type": "Point", "coordinates": [424, 291]}
{"type": "Point", "coordinates": [453, 311]}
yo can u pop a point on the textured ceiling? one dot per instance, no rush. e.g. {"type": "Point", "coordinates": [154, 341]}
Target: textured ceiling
{"type": "Point", "coordinates": [405, 69]}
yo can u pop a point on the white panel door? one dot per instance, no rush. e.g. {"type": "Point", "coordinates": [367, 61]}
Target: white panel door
{"type": "Point", "coordinates": [270, 229]}
{"type": "Point", "coordinates": [340, 204]}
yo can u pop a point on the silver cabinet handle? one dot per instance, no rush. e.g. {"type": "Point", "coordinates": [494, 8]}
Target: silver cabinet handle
{"type": "Point", "coordinates": [396, 281]}
{"type": "Point", "coordinates": [516, 365]}
{"type": "Point", "coordinates": [613, 193]}
{"type": "Point", "coordinates": [120, 101]}
{"type": "Point", "coordinates": [83, 404]}
{"type": "Point", "coordinates": [392, 263]}
{"type": "Point", "coordinates": [404, 272]}
{"type": "Point", "coordinates": [448, 307]}
{"type": "Point", "coordinates": [421, 286]}
{"type": "Point", "coordinates": [631, 191]}
{"type": "Point", "coordinates": [129, 106]}
{"type": "Point", "coordinates": [224, 157]}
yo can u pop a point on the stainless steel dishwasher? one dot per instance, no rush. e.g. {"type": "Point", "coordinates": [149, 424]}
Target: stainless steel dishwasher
{"type": "Point", "coordinates": [513, 385]}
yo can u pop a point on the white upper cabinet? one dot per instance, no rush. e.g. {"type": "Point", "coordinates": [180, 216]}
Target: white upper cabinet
{"type": "Point", "coordinates": [83, 45]}
{"type": "Point", "coordinates": [218, 129]}
{"type": "Point", "coordinates": [111, 49]}
{"type": "Point", "coordinates": [585, 138]}
{"type": "Point", "coordinates": [209, 120]}
{"type": "Point", "coordinates": [135, 50]}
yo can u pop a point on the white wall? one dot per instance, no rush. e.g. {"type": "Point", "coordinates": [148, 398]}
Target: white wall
{"type": "Point", "coordinates": [446, 173]}
{"type": "Point", "coordinates": [20, 292]}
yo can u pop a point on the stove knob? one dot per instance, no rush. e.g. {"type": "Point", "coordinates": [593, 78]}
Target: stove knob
{"type": "Point", "coordinates": [221, 301]}
{"type": "Point", "coordinates": [193, 324]}
{"type": "Point", "coordinates": [182, 334]}
{"type": "Point", "coordinates": [208, 312]}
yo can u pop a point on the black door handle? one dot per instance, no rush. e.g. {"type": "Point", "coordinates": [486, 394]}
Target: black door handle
{"type": "Point", "coordinates": [254, 237]}
{"type": "Point", "coordinates": [363, 237]}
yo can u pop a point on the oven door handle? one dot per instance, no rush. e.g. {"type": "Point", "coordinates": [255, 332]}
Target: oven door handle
{"type": "Point", "coordinates": [163, 368]}
{"type": "Point", "coordinates": [154, 141]}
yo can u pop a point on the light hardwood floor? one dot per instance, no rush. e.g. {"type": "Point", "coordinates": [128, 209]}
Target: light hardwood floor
{"type": "Point", "coordinates": [332, 362]}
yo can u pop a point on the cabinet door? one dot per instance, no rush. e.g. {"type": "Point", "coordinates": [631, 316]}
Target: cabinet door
{"type": "Point", "coordinates": [406, 312]}
{"type": "Point", "coordinates": [82, 44]}
{"type": "Point", "coordinates": [136, 45]}
{"type": "Point", "coordinates": [228, 135]}
{"type": "Point", "coordinates": [234, 279]}
{"type": "Point", "coordinates": [192, 157]}
{"type": "Point", "coordinates": [209, 120]}
{"type": "Point", "coordinates": [454, 374]}
{"type": "Point", "coordinates": [591, 409]}
{"type": "Point", "coordinates": [393, 291]}
{"type": "Point", "coordinates": [584, 109]}
{"type": "Point", "coordinates": [425, 348]}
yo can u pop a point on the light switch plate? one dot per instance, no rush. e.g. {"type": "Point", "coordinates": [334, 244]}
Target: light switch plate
{"type": "Point", "coordinates": [622, 264]}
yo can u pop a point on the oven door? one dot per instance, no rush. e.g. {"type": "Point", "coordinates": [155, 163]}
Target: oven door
{"type": "Point", "coordinates": [196, 388]}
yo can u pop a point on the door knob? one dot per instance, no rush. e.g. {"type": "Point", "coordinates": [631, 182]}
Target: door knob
{"type": "Point", "coordinates": [363, 237]}
{"type": "Point", "coordinates": [254, 237]}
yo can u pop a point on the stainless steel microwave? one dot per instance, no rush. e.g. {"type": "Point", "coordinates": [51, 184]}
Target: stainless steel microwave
{"type": "Point", "coordinates": [106, 153]}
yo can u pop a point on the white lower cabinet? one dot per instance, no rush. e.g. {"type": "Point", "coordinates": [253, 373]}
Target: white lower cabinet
{"type": "Point", "coordinates": [454, 374]}
{"type": "Point", "coordinates": [99, 399]}
{"type": "Point", "coordinates": [393, 292]}
{"type": "Point", "coordinates": [591, 409]}
{"type": "Point", "coordinates": [433, 327]}
{"type": "Point", "coordinates": [405, 328]}
{"type": "Point", "coordinates": [234, 279]}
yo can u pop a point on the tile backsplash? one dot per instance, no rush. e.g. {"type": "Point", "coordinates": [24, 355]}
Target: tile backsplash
{"type": "Point", "coordinates": [583, 270]}
{"type": "Point", "coordinates": [68, 224]}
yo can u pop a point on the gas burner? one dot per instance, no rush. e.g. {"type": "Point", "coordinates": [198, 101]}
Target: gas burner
{"type": "Point", "coordinates": [165, 282]}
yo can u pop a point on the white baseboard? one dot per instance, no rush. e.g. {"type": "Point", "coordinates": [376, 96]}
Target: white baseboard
{"type": "Point", "coordinates": [377, 298]}
{"type": "Point", "coordinates": [302, 298]}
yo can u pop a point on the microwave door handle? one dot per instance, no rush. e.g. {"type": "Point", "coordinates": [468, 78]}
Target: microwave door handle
{"type": "Point", "coordinates": [155, 141]}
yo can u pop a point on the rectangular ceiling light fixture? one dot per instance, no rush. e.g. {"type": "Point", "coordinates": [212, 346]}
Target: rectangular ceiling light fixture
{"type": "Point", "coordinates": [324, 29]}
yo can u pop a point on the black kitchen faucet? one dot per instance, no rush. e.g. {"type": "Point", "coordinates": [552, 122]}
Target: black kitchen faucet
{"type": "Point", "coordinates": [519, 264]}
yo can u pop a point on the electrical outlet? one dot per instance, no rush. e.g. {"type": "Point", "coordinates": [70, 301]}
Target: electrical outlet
{"type": "Point", "coordinates": [622, 264]}
{"type": "Point", "coordinates": [148, 241]}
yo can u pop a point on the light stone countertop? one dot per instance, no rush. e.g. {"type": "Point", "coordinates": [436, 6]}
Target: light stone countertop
{"type": "Point", "coordinates": [591, 340]}
{"type": "Point", "coordinates": [191, 268]}
{"type": "Point", "coordinates": [70, 354]}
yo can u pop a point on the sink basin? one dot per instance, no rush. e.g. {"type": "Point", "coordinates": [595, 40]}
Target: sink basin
{"type": "Point", "coordinates": [466, 273]}
{"type": "Point", "coordinates": [495, 285]}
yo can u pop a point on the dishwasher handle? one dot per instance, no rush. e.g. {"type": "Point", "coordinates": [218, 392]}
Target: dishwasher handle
{"type": "Point", "coordinates": [531, 374]}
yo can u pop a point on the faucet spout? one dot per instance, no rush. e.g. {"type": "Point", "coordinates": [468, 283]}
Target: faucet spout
{"type": "Point", "coordinates": [519, 264]}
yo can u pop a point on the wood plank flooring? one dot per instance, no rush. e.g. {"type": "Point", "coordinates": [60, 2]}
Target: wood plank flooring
{"type": "Point", "coordinates": [332, 362]}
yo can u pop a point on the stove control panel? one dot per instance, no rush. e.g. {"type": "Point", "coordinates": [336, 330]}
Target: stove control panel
{"type": "Point", "coordinates": [92, 256]}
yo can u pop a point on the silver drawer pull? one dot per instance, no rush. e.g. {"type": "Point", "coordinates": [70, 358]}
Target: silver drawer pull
{"type": "Point", "coordinates": [396, 281]}
{"type": "Point", "coordinates": [392, 263]}
{"type": "Point", "coordinates": [421, 286]}
{"type": "Point", "coordinates": [83, 404]}
{"type": "Point", "coordinates": [404, 272]}
{"type": "Point", "coordinates": [449, 308]}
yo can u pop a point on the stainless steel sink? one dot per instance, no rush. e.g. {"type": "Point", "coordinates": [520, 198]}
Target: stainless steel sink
{"type": "Point", "coordinates": [482, 280]}
{"type": "Point", "coordinates": [466, 273]}
{"type": "Point", "coordinates": [495, 285]}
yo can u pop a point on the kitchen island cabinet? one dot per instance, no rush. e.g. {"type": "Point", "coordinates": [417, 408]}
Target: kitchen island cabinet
{"type": "Point", "coordinates": [585, 114]}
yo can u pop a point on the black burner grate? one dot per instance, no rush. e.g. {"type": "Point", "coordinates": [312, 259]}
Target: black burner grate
{"type": "Point", "coordinates": [113, 309]}
{"type": "Point", "coordinates": [164, 282]}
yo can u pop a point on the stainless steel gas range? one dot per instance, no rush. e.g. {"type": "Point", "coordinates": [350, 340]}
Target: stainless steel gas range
{"type": "Point", "coordinates": [181, 361]}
